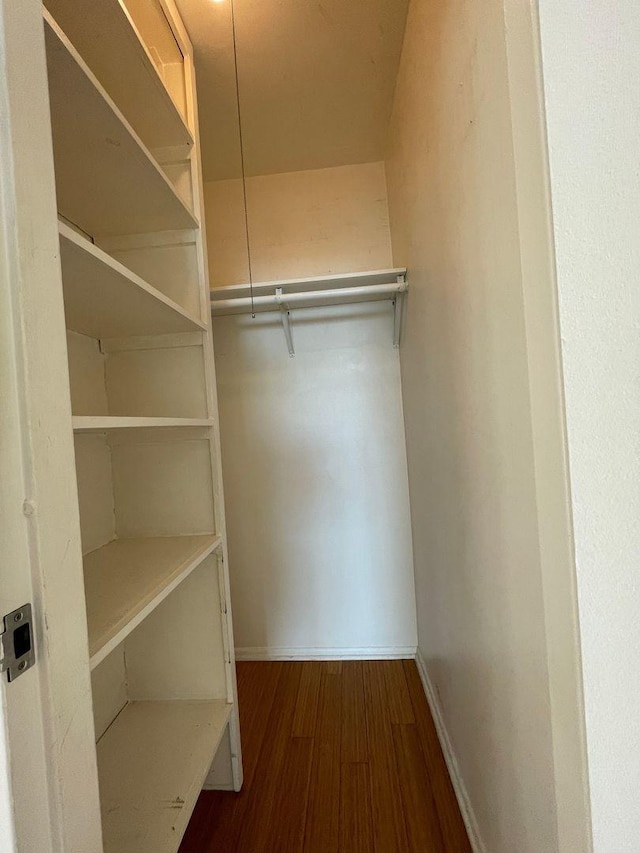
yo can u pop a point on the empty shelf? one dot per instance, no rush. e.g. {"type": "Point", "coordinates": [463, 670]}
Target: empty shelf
{"type": "Point", "coordinates": [107, 40]}
{"type": "Point", "coordinates": [152, 762]}
{"type": "Point", "coordinates": [103, 299]}
{"type": "Point", "coordinates": [101, 423]}
{"type": "Point", "coordinates": [128, 578]}
{"type": "Point", "coordinates": [106, 180]}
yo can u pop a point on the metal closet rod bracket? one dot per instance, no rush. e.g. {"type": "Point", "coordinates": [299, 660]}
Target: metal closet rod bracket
{"type": "Point", "coordinates": [285, 316]}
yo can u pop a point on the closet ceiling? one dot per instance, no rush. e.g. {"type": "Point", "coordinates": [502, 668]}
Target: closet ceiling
{"type": "Point", "coordinates": [316, 81]}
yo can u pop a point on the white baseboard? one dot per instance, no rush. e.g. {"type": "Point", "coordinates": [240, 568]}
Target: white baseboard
{"type": "Point", "coordinates": [449, 756]}
{"type": "Point", "coordinates": [314, 653]}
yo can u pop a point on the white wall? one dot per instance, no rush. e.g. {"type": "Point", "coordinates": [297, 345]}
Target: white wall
{"type": "Point", "coordinates": [301, 224]}
{"type": "Point", "coordinates": [482, 400]}
{"type": "Point", "coordinates": [591, 70]}
{"type": "Point", "coordinates": [313, 447]}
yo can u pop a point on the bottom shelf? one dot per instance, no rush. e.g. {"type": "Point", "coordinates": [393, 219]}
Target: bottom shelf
{"type": "Point", "coordinates": [152, 763]}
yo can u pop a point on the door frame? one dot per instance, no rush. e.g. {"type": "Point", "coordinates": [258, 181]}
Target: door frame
{"type": "Point", "coordinates": [552, 482]}
{"type": "Point", "coordinates": [48, 778]}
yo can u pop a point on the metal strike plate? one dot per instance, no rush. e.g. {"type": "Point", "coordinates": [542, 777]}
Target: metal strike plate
{"type": "Point", "coordinates": [18, 653]}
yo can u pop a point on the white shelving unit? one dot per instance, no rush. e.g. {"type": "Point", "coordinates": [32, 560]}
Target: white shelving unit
{"type": "Point", "coordinates": [159, 642]}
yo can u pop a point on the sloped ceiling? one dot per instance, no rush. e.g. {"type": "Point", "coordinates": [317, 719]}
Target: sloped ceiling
{"type": "Point", "coordinates": [316, 81]}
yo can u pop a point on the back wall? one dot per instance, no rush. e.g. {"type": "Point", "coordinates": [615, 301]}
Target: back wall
{"type": "Point", "coordinates": [313, 447]}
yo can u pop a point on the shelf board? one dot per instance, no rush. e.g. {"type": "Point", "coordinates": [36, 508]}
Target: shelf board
{"type": "Point", "coordinates": [107, 182]}
{"type": "Point", "coordinates": [107, 39]}
{"type": "Point", "coordinates": [152, 763]}
{"type": "Point", "coordinates": [102, 423]}
{"type": "Point", "coordinates": [103, 299]}
{"type": "Point", "coordinates": [127, 579]}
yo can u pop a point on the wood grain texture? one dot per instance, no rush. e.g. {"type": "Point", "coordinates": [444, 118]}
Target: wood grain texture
{"type": "Point", "coordinates": [453, 829]}
{"type": "Point", "coordinates": [327, 770]}
{"type": "Point", "coordinates": [356, 829]}
{"type": "Point", "coordinates": [323, 818]}
{"type": "Point", "coordinates": [304, 718]}
{"type": "Point", "coordinates": [398, 698]}
{"type": "Point", "coordinates": [355, 747]}
{"type": "Point", "coordinates": [423, 825]}
{"type": "Point", "coordinates": [268, 778]}
{"type": "Point", "coordinates": [390, 833]}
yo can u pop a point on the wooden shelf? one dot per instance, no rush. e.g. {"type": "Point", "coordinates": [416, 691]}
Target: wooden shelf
{"type": "Point", "coordinates": [106, 180]}
{"type": "Point", "coordinates": [103, 299]}
{"type": "Point", "coordinates": [102, 423]}
{"type": "Point", "coordinates": [152, 762]}
{"type": "Point", "coordinates": [108, 41]}
{"type": "Point", "coordinates": [127, 579]}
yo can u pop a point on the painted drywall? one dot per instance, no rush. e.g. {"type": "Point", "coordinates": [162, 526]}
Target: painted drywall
{"type": "Point", "coordinates": [306, 223]}
{"type": "Point", "coordinates": [591, 69]}
{"type": "Point", "coordinates": [313, 447]}
{"type": "Point", "coordinates": [483, 417]}
{"type": "Point", "coordinates": [315, 81]}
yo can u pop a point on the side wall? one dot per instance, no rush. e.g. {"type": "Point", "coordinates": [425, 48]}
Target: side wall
{"type": "Point", "coordinates": [480, 373]}
{"type": "Point", "coordinates": [313, 447]}
{"type": "Point", "coordinates": [591, 66]}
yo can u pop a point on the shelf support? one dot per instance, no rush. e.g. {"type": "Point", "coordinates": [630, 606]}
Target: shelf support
{"type": "Point", "coordinates": [286, 322]}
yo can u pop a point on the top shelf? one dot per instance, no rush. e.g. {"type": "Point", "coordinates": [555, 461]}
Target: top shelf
{"type": "Point", "coordinates": [107, 182]}
{"type": "Point", "coordinates": [337, 281]}
{"type": "Point", "coordinates": [341, 289]}
{"type": "Point", "coordinates": [106, 38]}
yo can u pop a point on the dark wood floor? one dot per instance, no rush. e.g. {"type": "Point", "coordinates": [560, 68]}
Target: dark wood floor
{"type": "Point", "coordinates": [338, 758]}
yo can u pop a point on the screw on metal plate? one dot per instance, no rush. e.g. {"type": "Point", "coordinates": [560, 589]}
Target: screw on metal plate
{"type": "Point", "coordinates": [16, 646]}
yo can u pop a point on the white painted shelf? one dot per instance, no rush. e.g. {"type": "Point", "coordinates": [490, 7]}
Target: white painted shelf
{"type": "Point", "coordinates": [103, 299]}
{"type": "Point", "coordinates": [351, 283]}
{"type": "Point", "coordinates": [152, 762]}
{"type": "Point", "coordinates": [124, 67]}
{"type": "Point", "coordinates": [102, 423]}
{"type": "Point", "coordinates": [127, 579]}
{"type": "Point", "coordinates": [107, 182]}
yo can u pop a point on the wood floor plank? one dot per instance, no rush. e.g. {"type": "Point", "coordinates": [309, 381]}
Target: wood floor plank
{"type": "Point", "coordinates": [257, 689]}
{"type": "Point", "coordinates": [268, 777]}
{"type": "Point", "coordinates": [322, 832]}
{"type": "Point", "coordinates": [218, 816]}
{"type": "Point", "coordinates": [355, 747]}
{"type": "Point", "coordinates": [390, 834]}
{"type": "Point", "coordinates": [356, 828]}
{"type": "Point", "coordinates": [333, 667]}
{"type": "Point", "coordinates": [286, 831]}
{"type": "Point", "coordinates": [255, 703]}
{"type": "Point", "coordinates": [400, 707]}
{"type": "Point", "coordinates": [451, 824]}
{"type": "Point", "coordinates": [421, 817]}
{"type": "Point", "coordinates": [304, 718]}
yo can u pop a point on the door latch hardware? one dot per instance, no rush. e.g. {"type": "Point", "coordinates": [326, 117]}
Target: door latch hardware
{"type": "Point", "coordinates": [18, 653]}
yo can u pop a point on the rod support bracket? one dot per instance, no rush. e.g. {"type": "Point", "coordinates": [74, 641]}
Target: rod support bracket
{"type": "Point", "coordinates": [285, 316]}
{"type": "Point", "coordinates": [398, 308]}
